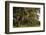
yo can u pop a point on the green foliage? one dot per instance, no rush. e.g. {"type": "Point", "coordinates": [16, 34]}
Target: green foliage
{"type": "Point", "coordinates": [25, 17]}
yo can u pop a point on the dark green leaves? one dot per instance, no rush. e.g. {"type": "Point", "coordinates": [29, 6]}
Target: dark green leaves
{"type": "Point", "coordinates": [25, 17]}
